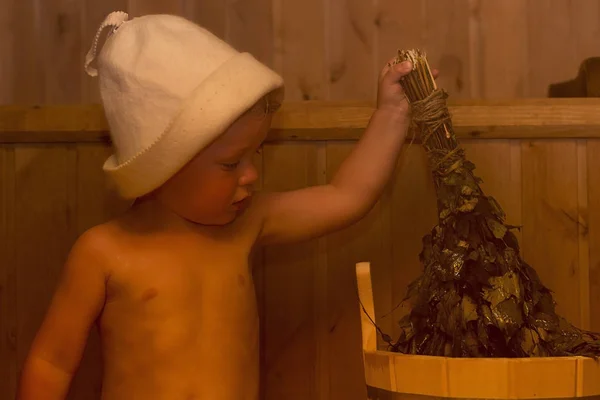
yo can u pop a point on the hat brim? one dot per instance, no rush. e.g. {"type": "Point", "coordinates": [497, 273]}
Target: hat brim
{"type": "Point", "coordinates": [214, 105]}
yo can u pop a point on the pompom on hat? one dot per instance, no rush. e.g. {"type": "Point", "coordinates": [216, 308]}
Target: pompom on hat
{"type": "Point", "coordinates": [169, 88]}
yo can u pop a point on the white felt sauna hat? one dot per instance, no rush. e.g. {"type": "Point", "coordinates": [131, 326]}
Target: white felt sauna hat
{"type": "Point", "coordinates": [169, 88]}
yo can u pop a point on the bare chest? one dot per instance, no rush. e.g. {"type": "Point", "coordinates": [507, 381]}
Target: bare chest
{"type": "Point", "coordinates": [180, 317]}
{"type": "Point", "coordinates": [177, 299]}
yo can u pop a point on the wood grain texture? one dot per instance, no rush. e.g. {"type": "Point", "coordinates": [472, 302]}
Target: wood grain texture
{"type": "Point", "coordinates": [300, 51]}
{"type": "Point", "coordinates": [502, 48]}
{"type": "Point", "coordinates": [400, 25]}
{"type": "Point", "coordinates": [250, 28]}
{"type": "Point", "coordinates": [97, 198]}
{"type": "Point", "coordinates": [62, 50]}
{"type": "Point", "coordinates": [7, 41]}
{"type": "Point", "coordinates": [212, 15]}
{"type": "Point", "coordinates": [497, 51]}
{"type": "Point", "coordinates": [369, 240]}
{"type": "Point", "coordinates": [42, 172]}
{"type": "Point", "coordinates": [446, 38]}
{"type": "Point", "coordinates": [143, 7]}
{"type": "Point", "coordinates": [329, 120]}
{"type": "Point", "coordinates": [325, 363]}
{"type": "Point", "coordinates": [413, 215]}
{"type": "Point", "coordinates": [351, 48]}
{"type": "Point", "coordinates": [305, 289]}
{"type": "Point", "coordinates": [546, 18]}
{"type": "Point", "coordinates": [573, 27]}
{"type": "Point", "coordinates": [483, 378]}
{"type": "Point", "coordinates": [291, 348]}
{"type": "Point", "coordinates": [593, 211]}
{"type": "Point", "coordinates": [583, 232]}
{"type": "Point", "coordinates": [28, 54]}
{"type": "Point", "coordinates": [550, 219]}
{"type": "Point", "coordinates": [8, 275]}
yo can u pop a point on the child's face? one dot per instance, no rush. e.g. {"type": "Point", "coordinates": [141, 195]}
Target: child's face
{"type": "Point", "coordinates": [215, 186]}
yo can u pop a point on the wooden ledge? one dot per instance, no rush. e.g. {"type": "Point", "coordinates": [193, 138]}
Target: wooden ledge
{"type": "Point", "coordinates": [328, 120]}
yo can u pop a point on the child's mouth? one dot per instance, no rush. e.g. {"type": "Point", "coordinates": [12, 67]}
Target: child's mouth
{"type": "Point", "coordinates": [243, 203]}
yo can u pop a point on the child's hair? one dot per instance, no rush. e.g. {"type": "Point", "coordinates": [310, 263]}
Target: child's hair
{"type": "Point", "coordinates": [268, 104]}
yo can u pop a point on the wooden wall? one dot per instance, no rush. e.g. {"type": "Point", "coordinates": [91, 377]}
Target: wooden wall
{"type": "Point", "coordinates": [536, 159]}
{"type": "Point", "coordinates": [326, 50]}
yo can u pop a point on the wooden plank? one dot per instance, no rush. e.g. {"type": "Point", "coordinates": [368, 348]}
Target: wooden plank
{"type": "Point", "coordinates": [593, 177]}
{"type": "Point", "coordinates": [544, 18]}
{"type": "Point", "coordinates": [400, 25]}
{"type": "Point", "coordinates": [583, 232]}
{"type": "Point", "coordinates": [376, 393]}
{"type": "Point", "coordinates": [368, 240]}
{"type": "Point", "coordinates": [585, 25]}
{"type": "Point", "coordinates": [500, 80]}
{"type": "Point", "coordinates": [300, 51]}
{"type": "Point", "coordinates": [351, 49]}
{"type": "Point", "coordinates": [62, 50]}
{"type": "Point", "coordinates": [329, 120]}
{"type": "Point", "coordinates": [325, 364]}
{"type": "Point", "coordinates": [93, 14]}
{"type": "Point", "coordinates": [41, 173]}
{"type": "Point", "coordinates": [447, 44]}
{"type": "Point", "coordinates": [380, 370]}
{"type": "Point", "coordinates": [291, 348]}
{"type": "Point", "coordinates": [211, 15]}
{"type": "Point", "coordinates": [550, 219]}
{"type": "Point", "coordinates": [28, 78]}
{"type": "Point", "coordinates": [7, 41]}
{"type": "Point", "coordinates": [573, 27]}
{"type": "Point", "coordinates": [250, 28]}
{"type": "Point", "coordinates": [413, 215]}
{"type": "Point", "coordinates": [8, 275]}
{"type": "Point", "coordinates": [97, 199]}
{"type": "Point", "coordinates": [502, 48]}
{"type": "Point", "coordinates": [366, 308]}
{"type": "Point", "coordinates": [144, 7]}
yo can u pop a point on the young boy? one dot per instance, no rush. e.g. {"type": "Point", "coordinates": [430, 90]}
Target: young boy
{"type": "Point", "coordinates": [169, 282]}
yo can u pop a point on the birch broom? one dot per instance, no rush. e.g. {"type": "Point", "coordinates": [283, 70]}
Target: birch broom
{"type": "Point", "coordinates": [476, 296]}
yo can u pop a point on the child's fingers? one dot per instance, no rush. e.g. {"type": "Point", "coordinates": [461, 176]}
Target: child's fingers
{"type": "Point", "coordinates": [396, 72]}
{"type": "Point", "coordinates": [386, 68]}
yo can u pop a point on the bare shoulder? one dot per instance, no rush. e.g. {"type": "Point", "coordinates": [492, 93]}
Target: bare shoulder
{"type": "Point", "coordinates": [95, 248]}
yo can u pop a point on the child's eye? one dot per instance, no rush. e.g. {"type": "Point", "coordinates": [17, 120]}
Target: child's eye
{"type": "Point", "coordinates": [231, 166]}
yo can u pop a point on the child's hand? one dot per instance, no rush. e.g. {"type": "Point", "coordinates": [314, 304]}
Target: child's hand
{"type": "Point", "coordinates": [390, 94]}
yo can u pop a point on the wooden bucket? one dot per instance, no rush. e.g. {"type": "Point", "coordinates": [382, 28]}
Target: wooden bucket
{"type": "Point", "coordinates": [394, 376]}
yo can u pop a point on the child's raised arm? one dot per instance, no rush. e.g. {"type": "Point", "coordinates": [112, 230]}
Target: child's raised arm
{"type": "Point", "coordinates": [58, 346]}
{"type": "Point", "coordinates": [311, 212]}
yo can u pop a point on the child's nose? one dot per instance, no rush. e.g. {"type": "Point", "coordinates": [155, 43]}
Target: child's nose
{"type": "Point", "coordinates": [249, 175]}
